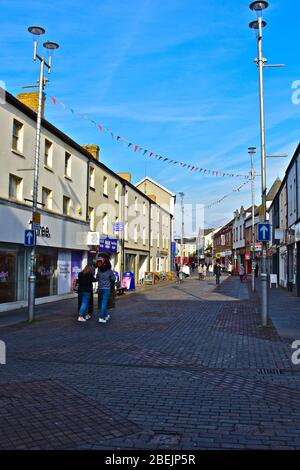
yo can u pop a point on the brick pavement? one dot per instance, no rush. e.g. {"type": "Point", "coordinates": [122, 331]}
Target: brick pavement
{"type": "Point", "coordinates": [179, 367]}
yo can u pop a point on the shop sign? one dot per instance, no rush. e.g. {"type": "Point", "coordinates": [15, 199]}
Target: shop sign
{"type": "Point", "coordinates": [108, 244]}
{"type": "Point", "coordinates": [228, 253]}
{"type": "Point", "coordinates": [93, 238]}
{"type": "Point", "coordinates": [118, 227]}
{"type": "Point", "coordinates": [43, 232]}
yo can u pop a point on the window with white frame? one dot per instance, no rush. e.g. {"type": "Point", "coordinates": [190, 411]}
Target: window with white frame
{"type": "Point", "coordinates": [105, 222]}
{"type": "Point", "coordinates": [116, 192]}
{"type": "Point", "coordinates": [92, 218]}
{"type": "Point", "coordinates": [135, 236]}
{"type": "Point", "coordinates": [136, 204]}
{"type": "Point", "coordinates": [47, 198]}
{"type": "Point", "coordinates": [126, 198]}
{"type": "Point", "coordinates": [48, 153]}
{"type": "Point", "coordinates": [17, 137]}
{"type": "Point", "coordinates": [151, 238]}
{"type": "Point", "coordinates": [105, 186]}
{"type": "Point", "coordinates": [15, 187]}
{"type": "Point", "coordinates": [144, 208]}
{"type": "Point", "coordinates": [158, 240]}
{"type": "Point", "coordinates": [68, 172]}
{"type": "Point", "coordinates": [66, 205]}
{"type": "Point", "coordinates": [157, 216]}
{"type": "Point", "coordinates": [144, 236]}
{"type": "Point", "coordinates": [92, 177]}
{"type": "Point", "coordinates": [126, 231]}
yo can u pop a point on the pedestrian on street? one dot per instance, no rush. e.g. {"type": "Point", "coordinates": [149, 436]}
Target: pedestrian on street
{"type": "Point", "coordinates": [106, 280]}
{"type": "Point", "coordinates": [85, 290]}
{"type": "Point", "coordinates": [217, 273]}
{"type": "Point", "coordinates": [204, 271]}
{"type": "Point", "coordinates": [242, 272]}
{"type": "Point", "coordinates": [256, 269]}
{"type": "Point", "coordinates": [200, 272]}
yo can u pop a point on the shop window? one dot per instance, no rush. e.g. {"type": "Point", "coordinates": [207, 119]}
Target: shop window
{"type": "Point", "coordinates": [17, 137]}
{"type": "Point", "coordinates": [8, 277]}
{"type": "Point", "coordinates": [15, 187]}
{"type": "Point", "coordinates": [46, 272]}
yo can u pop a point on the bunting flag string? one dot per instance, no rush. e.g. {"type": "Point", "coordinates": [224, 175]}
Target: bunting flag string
{"type": "Point", "coordinates": [237, 190]}
{"type": "Point", "coordinates": [136, 148]}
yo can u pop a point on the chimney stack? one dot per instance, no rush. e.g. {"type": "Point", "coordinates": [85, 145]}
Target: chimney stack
{"type": "Point", "coordinates": [152, 197]}
{"type": "Point", "coordinates": [125, 176]}
{"type": "Point", "coordinates": [31, 99]}
{"type": "Point", "coordinates": [93, 150]}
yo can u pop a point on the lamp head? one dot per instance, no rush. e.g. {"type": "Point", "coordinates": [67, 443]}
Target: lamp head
{"type": "Point", "coordinates": [51, 46]}
{"type": "Point", "coordinates": [36, 30]}
{"type": "Point", "coordinates": [258, 6]}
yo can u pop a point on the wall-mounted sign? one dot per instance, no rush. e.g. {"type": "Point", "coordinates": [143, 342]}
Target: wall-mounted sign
{"type": "Point", "coordinates": [93, 238]}
{"type": "Point", "coordinates": [108, 244]}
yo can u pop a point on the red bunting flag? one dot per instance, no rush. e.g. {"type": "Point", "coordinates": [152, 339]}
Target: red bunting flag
{"type": "Point", "coordinates": [136, 147]}
{"type": "Point", "coordinates": [54, 100]}
{"type": "Point", "coordinates": [100, 127]}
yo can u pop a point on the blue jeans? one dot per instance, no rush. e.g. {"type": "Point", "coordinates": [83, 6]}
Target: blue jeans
{"type": "Point", "coordinates": [218, 280]}
{"type": "Point", "coordinates": [84, 303]}
{"type": "Point", "coordinates": [104, 295]}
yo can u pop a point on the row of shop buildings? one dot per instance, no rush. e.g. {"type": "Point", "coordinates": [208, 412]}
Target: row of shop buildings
{"type": "Point", "coordinates": [232, 244]}
{"type": "Point", "coordinates": [85, 208]}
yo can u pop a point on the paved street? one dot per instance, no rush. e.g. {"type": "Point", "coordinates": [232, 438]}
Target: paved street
{"type": "Point", "coordinates": [177, 367]}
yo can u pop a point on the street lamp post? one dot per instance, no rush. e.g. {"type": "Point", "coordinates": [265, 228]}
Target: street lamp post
{"type": "Point", "coordinates": [37, 31]}
{"type": "Point", "coordinates": [258, 25]}
{"type": "Point", "coordinates": [252, 151]}
{"type": "Point", "coordinates": [182, 230]}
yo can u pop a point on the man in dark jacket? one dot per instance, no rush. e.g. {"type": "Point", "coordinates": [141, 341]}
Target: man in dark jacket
{"type": "Point", "coordinates": [217, 272]}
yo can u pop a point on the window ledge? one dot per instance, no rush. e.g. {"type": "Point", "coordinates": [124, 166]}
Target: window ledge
{"type": "Point", "coordinates": [105, 195]}
{"type": "Point", "coordinates": [117, 201]}
{"type": "Point", "coordinates": [68, 177]}
{"type": "Point", "coordinates": [48, 168]}
{"type": "Point", "coordinates": [92, 189]}
{"type": "Point", "coordinates": [17, 153]}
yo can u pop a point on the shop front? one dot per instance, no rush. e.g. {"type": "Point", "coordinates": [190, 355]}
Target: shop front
{"type": "Point", "coordinates": [61, 251]}
{"type": "Point", "coordinates": [137, 263]}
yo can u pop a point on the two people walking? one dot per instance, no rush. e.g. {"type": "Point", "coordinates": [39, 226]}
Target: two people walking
{"type": "Point", "coordinates": [106, 281]}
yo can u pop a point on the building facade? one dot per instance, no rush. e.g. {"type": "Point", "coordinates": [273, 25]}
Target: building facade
{"type": "Point", "coordinates": [85, 209]}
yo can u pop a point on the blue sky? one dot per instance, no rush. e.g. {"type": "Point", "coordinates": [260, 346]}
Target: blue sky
{"type": "Point", "coordinates": [175, 77]}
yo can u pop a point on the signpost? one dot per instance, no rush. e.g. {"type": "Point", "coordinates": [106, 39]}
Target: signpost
{"type": "Point", "coordinates": [264, 232]}
{"type": "Point", "coordinates": [29, 238]}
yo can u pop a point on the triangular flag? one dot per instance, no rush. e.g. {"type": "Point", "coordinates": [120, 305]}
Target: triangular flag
{"type": "Point", "coordinates": [54, 100]}
{"type": "Point", "coordinates": [100, 127]}
{"type": "Point", "coordinates": [129, 145]}
{"type": "Point", "coordinates": [136, 147]}
{"type": "Point", "coordinates": [118, 137]}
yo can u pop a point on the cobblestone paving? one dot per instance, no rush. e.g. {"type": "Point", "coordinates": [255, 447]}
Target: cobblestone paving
{"type": "Point", "coordinates": [177, 367]}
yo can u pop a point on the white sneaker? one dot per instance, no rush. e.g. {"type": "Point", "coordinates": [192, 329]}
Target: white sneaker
{"type": "Point", "coordinates": [107, 316]}
{"type": "Point", "coordinates": [80, 318]}
{"type": "Point", "coordinates": [101, 320]}
{"type": "Point", "coordinates": [88, 316]}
